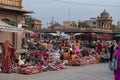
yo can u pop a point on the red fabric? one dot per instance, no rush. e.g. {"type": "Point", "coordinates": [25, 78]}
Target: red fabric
{"type": "Point", "coordinates": [37, 56]}
{"type": "Point", "coordinates": [45, 55]}
{"type": "Point", "coordinates": [99, 47]}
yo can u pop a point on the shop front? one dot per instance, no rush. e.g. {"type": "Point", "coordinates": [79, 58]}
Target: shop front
{"type": "Point", "coordinates": [8, 32]}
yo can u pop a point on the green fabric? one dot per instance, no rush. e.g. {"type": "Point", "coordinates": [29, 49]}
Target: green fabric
{"type": "Point", "coordinates": [11, 23]}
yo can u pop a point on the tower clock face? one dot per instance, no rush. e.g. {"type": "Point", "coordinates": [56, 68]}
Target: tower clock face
{"type": "Point", "coordinates": [11, 2]}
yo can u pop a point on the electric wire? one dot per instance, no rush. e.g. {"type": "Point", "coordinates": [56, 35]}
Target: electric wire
{"type": "Point", "coordinates": [89, 4]}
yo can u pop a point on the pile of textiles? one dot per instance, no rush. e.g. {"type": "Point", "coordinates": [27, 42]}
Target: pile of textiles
{"type": "Point", "coordinates": [76, 61]}
{"type": "Point", "coordinates": [90, 60]}
{"type": "Point", "coordinates": [30, 70]}
{"type": "Point", "coordinates": [27, 69]}
{"type": "Point", "coordinates": [56, 64]}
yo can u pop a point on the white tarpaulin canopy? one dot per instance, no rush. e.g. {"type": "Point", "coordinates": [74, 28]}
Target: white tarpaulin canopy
{"type": "Point", "coordinates": [78, 34]}
{"type": "Point", "coordinates": [8, 28]}
{"type": "Point", "coordinates": [54, 34]}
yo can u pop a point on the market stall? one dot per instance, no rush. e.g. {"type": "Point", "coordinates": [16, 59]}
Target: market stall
{"type": "Point", "coordinates": [8, 32]}
{"type": "Point", "coordinates": [11, 33]}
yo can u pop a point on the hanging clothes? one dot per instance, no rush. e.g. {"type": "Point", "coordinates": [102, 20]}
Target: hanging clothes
{"type": "Point", "coordinates": [7, 58]}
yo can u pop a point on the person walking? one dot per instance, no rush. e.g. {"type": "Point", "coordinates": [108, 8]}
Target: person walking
{"type": "Point", "coordinates": [113, 46]}
{"type": "Point", "coordinates": [117, 55]}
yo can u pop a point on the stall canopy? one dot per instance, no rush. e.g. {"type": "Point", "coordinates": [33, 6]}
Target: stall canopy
{"type": "Point", "coordinates": [8, 28]}
{"type": "Point", "coordinates": [78, 34]}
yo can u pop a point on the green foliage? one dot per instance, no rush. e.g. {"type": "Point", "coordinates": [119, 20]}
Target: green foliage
{"type": "Point", "coordinates": [54, 24]}
{"type": "Point", "coordinates": [114, 27]}
{"type": "Point", "coordinates": [29, 21]}
{"type": "Point", "coordinates": [82, 24]}
{"type": "Point", "coordinates": [73, 24]}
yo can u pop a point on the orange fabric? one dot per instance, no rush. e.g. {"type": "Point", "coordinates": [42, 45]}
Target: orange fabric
{"type": "Point", "coordinates": [65, 55]}
{"type": "Point", "coordinates": [6, 59]}
{"type": "Point", "coordinates": [5, 53]}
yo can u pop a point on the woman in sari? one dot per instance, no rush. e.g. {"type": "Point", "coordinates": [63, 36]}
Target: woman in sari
{"type": "Point", "coordinates": [7, 59]}
{"type": "Point", "coordinates": [117, 72]}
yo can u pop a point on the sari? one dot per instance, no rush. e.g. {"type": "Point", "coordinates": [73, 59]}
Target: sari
{"type": "Point", "coordinates": [6, 59]}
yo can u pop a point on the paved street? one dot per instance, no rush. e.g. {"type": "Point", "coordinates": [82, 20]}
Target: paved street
{"type": "Point", "coordinates": [90, 72]}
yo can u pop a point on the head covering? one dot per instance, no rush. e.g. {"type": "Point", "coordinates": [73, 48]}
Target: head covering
{"type": "Point", "coordinates": [115, 44]}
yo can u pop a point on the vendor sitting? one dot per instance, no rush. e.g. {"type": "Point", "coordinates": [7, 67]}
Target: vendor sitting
{"type": "Point", "coordinates": [105, 56]}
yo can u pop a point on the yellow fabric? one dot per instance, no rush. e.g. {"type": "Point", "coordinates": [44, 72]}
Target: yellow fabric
{"type": "Point", "coordinates": [73, 56]}
{"type": "Point", "coordinates": [45, 45]}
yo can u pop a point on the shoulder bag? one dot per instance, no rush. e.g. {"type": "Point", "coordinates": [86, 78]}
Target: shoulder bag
{"type": "Point", "coordinates": [113, 65]}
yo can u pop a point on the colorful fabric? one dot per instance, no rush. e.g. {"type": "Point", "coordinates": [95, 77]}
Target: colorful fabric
{"type": "Point", "coordinates": [65, 55]}
{"type": "Point", "coordinates": [6, 59]}
{"type": "Point", "coordinates": [99, 47]}
{"type": "Point", "coordinates": [117, 72]}
{"type": "Point", "coordinates": [74, 56]}
{"type": "Point", "coordinates": [45, 55]}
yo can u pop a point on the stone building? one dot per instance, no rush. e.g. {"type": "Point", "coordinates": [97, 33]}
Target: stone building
{"type": "Point", "coordinates": [37, 24]}
{"type": "Point", "coordinates": [104, 21]}
{"type": "Point", "coordinates": [11, 12]}
{"type": "Point", "coordinates": [92, 22]}
{"type": "Point", "coordinates": [70, 24]}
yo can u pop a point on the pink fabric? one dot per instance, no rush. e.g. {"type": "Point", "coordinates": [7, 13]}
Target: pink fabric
{"type": "Point", "coordinates": [117, 72]}
{"type": "Point", "coordinates": [76, 51]}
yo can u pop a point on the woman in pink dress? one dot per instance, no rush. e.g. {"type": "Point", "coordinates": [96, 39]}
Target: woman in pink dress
{"type": "Point", "coordinates": [117, 72]}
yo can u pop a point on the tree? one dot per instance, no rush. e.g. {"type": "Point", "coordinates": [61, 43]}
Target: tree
{"type": "Point", "coordinates": [29, 21]}
{"type": "Point", "coordinates": [74, 24]}
{"type": "Point", "coordinates": [82, 24]}
{"type": "Point", "coordinates": [114, 27]}
{"type": "Point", "coordinates": [54, 24]}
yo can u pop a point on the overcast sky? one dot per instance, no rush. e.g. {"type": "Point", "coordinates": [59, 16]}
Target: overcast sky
{"type": "Point", "coordinates": [74, 10]}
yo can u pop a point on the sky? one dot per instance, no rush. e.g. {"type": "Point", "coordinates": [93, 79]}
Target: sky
{"type": "Point", "coordinates": [73, 10]}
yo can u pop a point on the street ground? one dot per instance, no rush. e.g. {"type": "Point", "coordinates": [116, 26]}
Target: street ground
{"type": "Point", "coordinates": [89, 72]}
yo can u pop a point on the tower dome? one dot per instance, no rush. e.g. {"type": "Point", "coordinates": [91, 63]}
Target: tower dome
{"type": "Point", "coordinates": [104, 14]}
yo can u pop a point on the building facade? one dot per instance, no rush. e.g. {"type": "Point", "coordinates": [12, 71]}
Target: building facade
{"type": "Point", "coordinates": [11, 12]}
{"type": "Point", "coordinates": [92, 22]}
{"type": "Point", "coordinates": [70, 24]}
{"type": "Point", "coordinates": [104, 21]}
{"type": "Point", "coordinates": [37, 24]}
